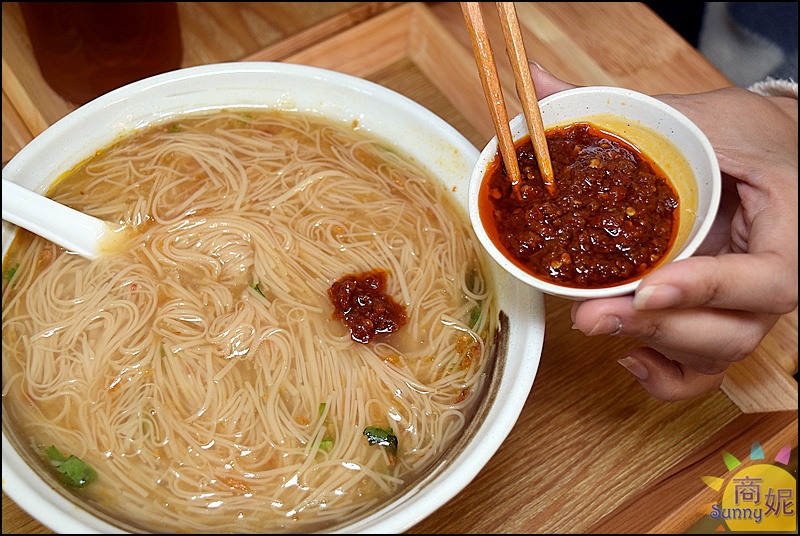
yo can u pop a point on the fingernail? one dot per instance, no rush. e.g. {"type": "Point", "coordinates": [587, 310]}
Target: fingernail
{"type": "Point", "coordinates": [656, 297]}
{"type": "Point", "coordinates": [635, 367]}
{"type": "Point", "coordinates": [607, 325]}
{"type": "Point", "coordinates": [535, 64]}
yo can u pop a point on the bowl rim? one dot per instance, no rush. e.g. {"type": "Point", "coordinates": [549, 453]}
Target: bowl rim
{"type": "Point", "coordinates": [525, 305]}
{"type": "Point", "coordinates": [574, 293]}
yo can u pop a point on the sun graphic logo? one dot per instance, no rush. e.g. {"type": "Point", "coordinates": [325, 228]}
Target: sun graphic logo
{"type": "Point", "coordinates": [758, 498]}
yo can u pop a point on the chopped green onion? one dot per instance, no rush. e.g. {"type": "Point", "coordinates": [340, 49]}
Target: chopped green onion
{"type": "Point", "coordinates": [475, 315]}
{"type": "Point", "coordinates": [9, 275]}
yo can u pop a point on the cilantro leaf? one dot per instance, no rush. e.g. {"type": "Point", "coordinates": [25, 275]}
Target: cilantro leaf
{"type": "Point", "coordinates": [54, 454]}
{"type": "Point", "coordinates": [73, 471]}
{"type": "Point", "coordinates": [383, 437]}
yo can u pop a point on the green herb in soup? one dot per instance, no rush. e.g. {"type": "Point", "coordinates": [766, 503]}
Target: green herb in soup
{"type": "Point", "coordinates": [73, 471]}
{"type": "Point", "coordinates": [8, 274]}
{"type": "Point", "coordinates": [383, 437]}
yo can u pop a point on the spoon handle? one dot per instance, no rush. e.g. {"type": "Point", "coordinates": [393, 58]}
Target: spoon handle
{"type": "Point", "coordinates": [62, 225]}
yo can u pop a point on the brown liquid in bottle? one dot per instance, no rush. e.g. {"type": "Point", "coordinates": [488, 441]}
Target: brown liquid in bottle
{"type": "Point", "coordinates": [86, 49]}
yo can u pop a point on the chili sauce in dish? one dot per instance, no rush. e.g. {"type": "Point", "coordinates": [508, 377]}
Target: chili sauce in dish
{"type": "Point", "coordinates": [612, 220]}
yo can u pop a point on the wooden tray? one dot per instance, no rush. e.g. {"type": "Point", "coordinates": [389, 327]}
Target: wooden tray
{"type": "Point", "coordinates": [591, 451]}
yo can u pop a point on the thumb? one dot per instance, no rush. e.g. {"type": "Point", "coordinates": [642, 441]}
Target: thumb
{"type": "Point", "coordinates": [545, 83]}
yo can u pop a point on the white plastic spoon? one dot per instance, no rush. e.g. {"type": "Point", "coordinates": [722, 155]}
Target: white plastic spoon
{"type": "Point", "coordinates": [69, 228]}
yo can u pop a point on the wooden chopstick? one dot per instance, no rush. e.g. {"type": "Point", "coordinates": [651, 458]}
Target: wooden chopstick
{"type": "Point", "coordinates": [526, 91]}
{"type": "Point", "coordinates": [487, 69]}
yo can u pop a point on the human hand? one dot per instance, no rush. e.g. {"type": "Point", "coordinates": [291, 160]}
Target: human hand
{"type": "Point", "coordinates": [698, 315]}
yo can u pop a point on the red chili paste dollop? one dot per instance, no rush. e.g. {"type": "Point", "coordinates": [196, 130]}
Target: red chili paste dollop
{"type": "Point", "coordinates": [612, 219]}
{"type": "Point", "coordinates": [361, 303]}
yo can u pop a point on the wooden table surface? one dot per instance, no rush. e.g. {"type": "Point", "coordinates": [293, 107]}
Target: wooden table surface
{"type": "Point", "coordinates": [591, 452]}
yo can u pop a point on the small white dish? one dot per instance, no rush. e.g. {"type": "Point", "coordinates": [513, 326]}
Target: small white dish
{"type": "Point", "coordinates": [660, 132]}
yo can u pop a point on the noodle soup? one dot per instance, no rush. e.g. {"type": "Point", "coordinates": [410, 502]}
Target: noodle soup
{"type": "Point", "coordinates": [199, 376]}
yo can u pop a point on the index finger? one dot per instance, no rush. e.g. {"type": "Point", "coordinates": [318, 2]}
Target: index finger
{"type": "Point", "coordinates": [759, 282]}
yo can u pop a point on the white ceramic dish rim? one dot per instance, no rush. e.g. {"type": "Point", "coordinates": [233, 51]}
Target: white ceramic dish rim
{"type": "Point", "coordinates": [415, 130]}
{"type": "Point", "coordinates": [607, 99]}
